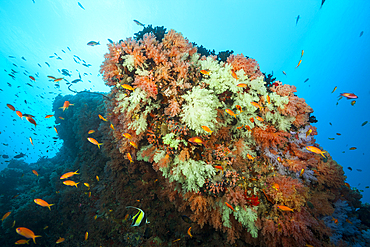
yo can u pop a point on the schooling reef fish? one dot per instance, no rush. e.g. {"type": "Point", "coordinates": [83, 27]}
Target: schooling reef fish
{"type": "Point", "coordinates": [93, 43]}
{"type": "Point", "coordinates": [27, 233]}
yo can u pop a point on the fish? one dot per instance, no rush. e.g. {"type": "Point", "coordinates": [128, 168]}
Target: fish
{"type": "Point", "coordinates": [248, 128]}
{"type": "Point", "coordinates": [240, 127]}
{"type": "Point", "coordinates": [335, 220]}
{"type": "Point", "coordinates": [138, 217]}
{"type": "Point", "coordinates": [56, 130]}
{"type": "Point", "coordinates": [308, 132]}
{"type": "Point", "coordinates": [284, 72]}
{"type": "Point", "coordinates": [302, 52]}
{"type": "Point", "coordinates": [205, 128]}
{"type": "Point", "coordinates": [86, 235]}
{"type": "Point", "coordinates": [242, 85]}
{"type": "Point", "coordinates": [90, 132]}
{"type": "Point", "coordinates": [284, 208]}
{"type": "Point", "coordinates": [87, 185]}
{"type": "Point", "coordinates": [139, 23]}
{"type": "Point", "coordinates": [229, 206]}
{"type": "Point", "coordinates": [102, 118]}
{"type": "Point", "coordinates": [35, 172]}
{"type": "Point", "coordinates": [111, 126]}
{"type": "Point", "coordinates": [95, 142]}
{"type": "Point", "coordinates": [239, 108]}
{"type": "Point", "coordinates": [31, 141]}
{"type": "Point", "coordinates": [110, 41]}
{"type": "Point", "coordinates": [302, 171]}
{"type": "Point", "coordinates": [268, 99]}
{"type": "Point", "coordinates": [189, 232]}
{"type": "Point", "coordinates": [349, 95]}
{"type": "Point", "coordinates": [79, 4]}
{"type": "Point", "coordinates": [75, 81]}
{"type": "Point", "coordinates": [129, 157]}
{"type": "Point", "coordinates": [176, 240]}
{"type": "Point", "coordinates": [19, 156]}
{"type": "Point", "coordinates": [338, 134]}
{"type": "Point", "coordinates": [31, 120]}
{"type": "Point", "coordinates": [364, 123]}
{"type": "Point", "coordinates": [250, 157]}
{"type": "Point", "coordinates": [128, 87]}
{"type": "Point", "coordinates": [349, 168]}
{"type": "Point", "coordinates": [335, 88]}
{"type": "Point", "coordinates": [196, 140]}
{"type": "Point", "coordinates": [299, 63]}
{"type": "Point", "coordinates": [70, 183]}
{"type": "Point", "coordinates": [61, 118]}
{"type": "Point", "coordinates": [22, 241]}
{"type": "Point", "coordinates": [10, 107]}
{"type": "Point", "coordinates": [331, 138]}
{"type": "Point", "coordinates": [58, 79]}
{"type": "Point", "coordinates": [219, 167]}
{"type": "Point", "coordinates": [42, 203]}
{"type": "Point", "coordinates": [27, 233]}
{"type": "Point", "coordinates": [276, 186]}
{"type": "Point", "coordinates": [93, 43]}
{"type": "Point", "coordinates": [66, 105]}
{"type": "Point", "coordinates": [316, 150]}
{"type": "Point", "coordinates": [306, 80]}
{"type": "Point", "coordinates": [353, 102]}
{"type": "Point", "coordinates": [97, 178]}
{"type": "Point", "coordinates": [6, 215]}
{"type": "Point", "coordinates": [233, 74]}
{"type": "Point", "coordinates": [348, 221]}
{"type": "Point", "coordinates": [296, 22]}
{"type": "Point", "coordinates": [127, 135]}
{"type": "Point", "coordinates": [347, 185]}
{"type": "Point", "coordinates": [32, 78]}
{"type": "Point", "coordinates": [352, 148]}
{"type": "Point", "coordinates": [322, 3]}
{"type": "Point", "coordinates": [19, 114]}
{"type": "Point", "coordinates": [205, 72]}
{"type": "Point", "coordinates": [362, 32]}
{"type": "Point", "coordinates": [51, 77]}
{"type": "Point", "coordinates": [251, 119]}
{"type": "Point", "coordinates": [230, 112]}
{"type": "Point", "coordinates": [60, 240]}
{"type": "Point", "coordinates": [134, 145]}
{"type": "Point", "coordinates": [69, 174]}
{"type": "Point", "coordinates": [47, 64]}
{"type": "Point", "coordinates": [259, 118]}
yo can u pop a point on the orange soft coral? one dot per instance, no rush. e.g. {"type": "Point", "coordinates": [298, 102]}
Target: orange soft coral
{"type": "Point", "coordinates": [269, 137]}
{"type": "Point", "coordinates": [249, 65]}
{"type": "Point", "coordinates": [297, 108]}
{"type": "Point", "coordinates": [147, 84]}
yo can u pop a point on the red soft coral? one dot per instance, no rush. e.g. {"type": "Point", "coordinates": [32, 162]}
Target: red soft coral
{"type": "Point", "coordinates": [147, 84]}
{"type": "Point", "coordinates": [298, 108]}
{"type": "Point", "coordinates": [269, 137]}
{"type": "Point", "coordinates": [249, 65]}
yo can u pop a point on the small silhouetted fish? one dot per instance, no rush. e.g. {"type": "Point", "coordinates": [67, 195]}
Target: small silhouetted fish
{"type": "Point", "coordinates": [11, 56]}
{"type": "Point", "coordinates": [359, 170]}
{"type": "Point", "coordinates": [322, 3]}
{"type": "Point", "coordinates": [364, 123]}
{"type": "Point", "coordinates": [186, 219]}
{"type": "Point", "coordinates": [5, 156]}
{"type": "Point", "coordinates": [92, 43]}
{"type": "Point", "coordinates": [68, 48]}
{"type": "Point", "coordinates": [362, 32]}
{"type": "Point", "coordinates": [306, 80]}
{"type": "Point", "coordinates": [39, 65]}
{"type": "Point", "coordinates": [75, 81]}
{"type": "Point", "coordinates": [296, 22]}
{"type": "Point", "coordinates": [110, 41]}
{"type": "Point", "coordinates": [15, 65]}
{"type": "Point", "coordinates": [331, 138]}
{"type": "Point", "coordinates": [47, 64]}
{"type": "Point", "coordinates": [63, 51]}
{"type": "Point", "coordinates": [350, 168]}
{"type": "Point", "coordinates": [79, 4]}
{"type": "Point", "coordinates": [19, 156]}
{"type": "Point", "coordinates": [55, 138]}
{"type": "Point", "coordinates": [24, 59]}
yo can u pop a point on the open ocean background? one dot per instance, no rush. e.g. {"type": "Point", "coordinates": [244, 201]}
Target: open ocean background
{"type": "Point", "coordinates": [335, 55]}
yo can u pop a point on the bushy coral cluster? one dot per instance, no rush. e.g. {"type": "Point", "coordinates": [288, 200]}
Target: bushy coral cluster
{"type": "Point", "coordinates": [249, 154]}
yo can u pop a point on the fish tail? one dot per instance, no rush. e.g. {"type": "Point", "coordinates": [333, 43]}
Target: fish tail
{"type": "Point", "coordinates": [76, 184]}
{"type": "Point", "coordinates": [322, 153]}
{"type": "Point", "coordinates": [34, 238]}
{"type": "Point", "coordinates": [77, 171]}
{"type": "Point", "coordinates": [100, 144]}
{"type": "Point", "coordinates": [50, 206]}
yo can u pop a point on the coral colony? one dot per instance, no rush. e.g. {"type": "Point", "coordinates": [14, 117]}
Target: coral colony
{"type": "Point", "coordinates": [231, 145]}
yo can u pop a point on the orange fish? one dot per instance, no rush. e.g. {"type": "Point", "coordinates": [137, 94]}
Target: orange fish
{"type": "Point", "coordinates": [219, 167]}
{"type": "Point", "coordinates": [205, 128]}
{"type": "Point", "coordinates": [279, 159]}
{"type": "Point", "coordinates": [335, 88]}
{"type": "Point", "coordinates": [60, 240]}
{"type": "Point", "coordinates": [300, 61]}
{"type": "Point", "coordinates": [252, 120]}
{"type": "Point", "coordinates": [6, 215]}
{"type": "Point", "coordinates": [70, 183]}
{"type": "Point", "coordinates": [43, 203]}
{"type": "Point", "coordinates": [239, 127]}
{"type": "Point", "coordinates": [128, 87]}
{"type": "Point", "coordinates": [250, 157]}
{"type": "Point", "coordinates": [111, 126]}
{"type": "Point", "coordinates": [51, 77]}
{"type": "Point", "coordinates": [19, 114]}
{"type": "Point", "coordinates": [231, 207]}
{"type": "Point", "coordinates": [102, 118]}
{"type": "Point", "coordinates": [284, 208]}
{"type": "Point", "coordinates": [95, 142]}
{"type": "Point", "coordinates": [205, 72]}
{"type": "Point", "coordinates": [268, 99]}
{"type": "Point", "coordinates": [90, 132]}
{"type": "Point", "coordinates": [58, 79]}
{"type": "Point", "coordinates": [248, 128]}
{"type": "Point", "coordinates": [134, 145]}
{"type": "Point", "coordinates": [230, 112]}
{"type": "Point", "coordinates": [10, 107]}
{"type": "Point", "coordinates": [335, 220]}
{"type": "Point", "coordinates": [348, 221]}
{"type": "Point", "coordinates": [259, 119]}
{"type": "Point", "coordinates": [242, 85]}
{"type": "Point", "coordinates": [302, 171]}
{"type": "Point", "coordinates": [61, 118]}
{"type": "Point", "coordinates": [196, 140]}
{"type": "Point", "coordinates": [308, 132]}
{"type": "Point", "coordinates": [86, 235]}
{"type": "Point", "coordinates": [69, 174]}
{"type": "Point", "coordinates": [66, 105]}
{"type": "Point", "coordinates": [22, 241]}
{"type": "Point", "coordinates": [256, 105]}
{"type": "Point", "coordinates": [316, 150]}
{"type": "Point", "coordinates": [49, 116]}
{"type": "Point", "coordinates": [87, 185]}
{"type": "Point", "coordinates": [27, 233]}
{"type": "Point", "coordinates": [276, 186]}
{"type": "Point", "coordinates": [349, 95]}
{"type": "Point", "coordinates": [239, 108]}
{"type": "Point", "coordinates": [190, 232]}
{"type": "Point", "coordinates": [129, 157]}
{"type": "Point", "coordinates": [31, 120]}
{"type": "Point", "coordinates": [348, 186]}
{"type": "Point", "coordinates": [302, 52]}
{"type": "Point", "coordinates": [32, 78]}
{"type": "Point", "coordinates": [233, 74]}
{"type": "Point", "coordinates": [127, 135]}
{"type": "Point", "coordinates": [35, 172]}
{"type": "Point", "coordinates": [97, 178]}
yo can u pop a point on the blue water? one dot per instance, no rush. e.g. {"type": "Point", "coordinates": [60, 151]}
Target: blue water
{"type": "Point", "coordinates": [334, 55]}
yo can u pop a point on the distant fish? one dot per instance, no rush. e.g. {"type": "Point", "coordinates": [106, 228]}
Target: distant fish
{"type": "Point", "coordinates": [93, 43]}
{"type": "Point", "coordinates": [364, 123]}
{"type": "Point", "coordinates": [79, 4]}
{"type": "Point", "coordinates": [306, 80]}
{"type": "Point", "coordinates": [362, 32]}
{"type": "Point", "coordinates": [322, 3]}
{"type": "Point", "coordinates": [296, 22]}
{"type": "Point", "coordinates": [139, 23]}
{"type": "Point", "coordinates": [47, 64]}
{"type": "Point", "coordinates": [24, 59]}
{"type": "Point", "coordinates": [19, 156]}
{"type": "Point", "coordinates": [110, 41]}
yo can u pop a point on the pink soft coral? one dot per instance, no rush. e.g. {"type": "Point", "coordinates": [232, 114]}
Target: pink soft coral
{"type": "Point", "coordinates": [147, 84]}
{"type": "Point", "coordinates": [249, 65]}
